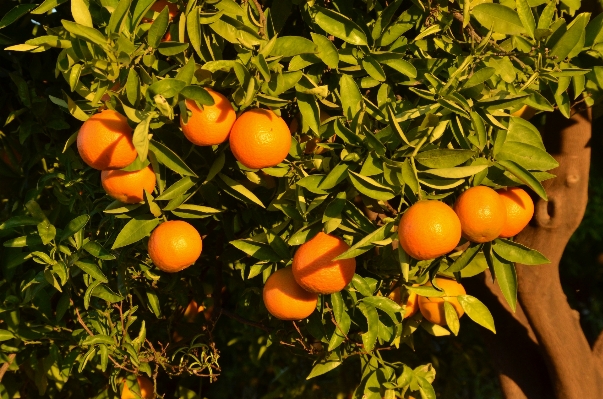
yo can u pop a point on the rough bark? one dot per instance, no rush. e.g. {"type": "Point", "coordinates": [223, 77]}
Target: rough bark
{"type": "Point", "coordinates": [575, 371]}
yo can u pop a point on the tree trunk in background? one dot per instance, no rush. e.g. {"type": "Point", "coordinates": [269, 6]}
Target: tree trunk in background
{"type": "Point", "coordinates": [545, 334]}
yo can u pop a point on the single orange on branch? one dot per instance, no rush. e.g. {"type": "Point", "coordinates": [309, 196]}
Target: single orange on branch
{"type": "Point", "coordinates": [520, 209]}
{"type": "Point", "coordinates": [315, 269]}
{"type": "Point", "coordinates": [285, 299]}
{"type": "Point", "coordinates": [432, 308]}
{"type": "Point", "coordinates": [260, 139]}
{"type": "Point", "coordinates": [210, 125]}
{"type": "Point", "coordinates": [482, 214]}
{"type": "Point", "coordinates": [429, 229]}
{"type": "Point", "coordinates": [147, 390]}
{"type": "Point", "coordinates": [174, 246]}
{"type": "Point", "coordinates": [105, 141]}
{"type": "Point", "coordinates": [128, 187]}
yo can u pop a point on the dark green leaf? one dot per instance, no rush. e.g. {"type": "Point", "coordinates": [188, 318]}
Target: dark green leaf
{"type": "Point", "coordinates": [515, 252]}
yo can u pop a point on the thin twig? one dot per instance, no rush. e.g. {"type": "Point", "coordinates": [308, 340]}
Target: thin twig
{"type": "Point", "coordinates": [301, 341]}
{"type": "Point", "coordinates": [233, 316]}
{"type": "Point", "coordinates": [262, 17]}
{"type": "Point", "coordinates": [6, 365]}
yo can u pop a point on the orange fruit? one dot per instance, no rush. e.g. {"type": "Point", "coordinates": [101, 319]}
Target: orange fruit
{"type": "Point", "coordinates": [260, 139]}
{"type": "Point", "coordinates": [412, 303]}
{"type": "Point", "coordinates": [285, 299]}
{"type": "Point", "coordinates": [520, 209]}
{"type": "Point", "coordinates": [128, 187]}
{"type": "Point", "coordinates": [429, 229]}
{"type": "Point", "coordinates": [210, 125]}
{"type": "Point", "coordinates": [482, 213]}
{"type": "Point", "coordinates": [316, 271]}
{"type": "Point", "coordinates": [526, 112]}
{"type": "Point", "coordinates": [432, 309]}
{"type": "Point", "coordinates": [174, 246]}
{"type": "Point", "coordinates": [105, 141]}
{"type": "Point", "coordinates": [147, 390]}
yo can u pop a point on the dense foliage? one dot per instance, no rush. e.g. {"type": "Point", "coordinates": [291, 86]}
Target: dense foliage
{"type": "Point", "coordinates": [408, 101]}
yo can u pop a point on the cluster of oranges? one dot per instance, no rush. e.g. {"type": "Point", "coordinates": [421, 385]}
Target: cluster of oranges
{"type": "Point", "coordinates": [430, 228]}
{"type": "Point", "coordinates": [291, 293]}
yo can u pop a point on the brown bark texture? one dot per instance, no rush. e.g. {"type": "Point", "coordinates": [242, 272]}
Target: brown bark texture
{"type": "Point", "coordinates": [541, 350]}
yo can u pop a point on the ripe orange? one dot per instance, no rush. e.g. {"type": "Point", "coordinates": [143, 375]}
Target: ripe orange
{"type": "Point", "coordinates": [147, 390]}
{"type": "Point", "coordinates": [316, 271]}
{"type": "Point", "coordinates": [105, 141]}
{"type": "Point", "coordinates": [526, 112]}
{"type": "Point", "coordinates": [429, 229]}
{"type": "Point", "coordinates": [285, 299]}
{"type": "Point", "coordinates": [482, 213]}
{"type": "Point", "coordinates": [260, 139]}
{"type": "Point", "coordinates": [520, 209]}
{"type": "Point", "coordinates": [128, 187]}
{"type": "Point", "coordinates": [432, 309]}
{"type": "Point", "coordinates": [210, 125]}
{"type": "Point", "coordinates": [174, 246]}
{"type": "Point", "coordinates": [412, 303]}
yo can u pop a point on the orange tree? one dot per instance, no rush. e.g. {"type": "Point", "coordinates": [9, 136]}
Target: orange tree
{"type": "Point", "coordinates": [342, 154]}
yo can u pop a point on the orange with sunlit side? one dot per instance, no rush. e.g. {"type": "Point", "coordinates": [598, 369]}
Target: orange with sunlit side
{"type": "Point", "coordinates": [520, 209]}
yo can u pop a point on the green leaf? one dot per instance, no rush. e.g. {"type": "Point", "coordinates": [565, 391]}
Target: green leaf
{"type": "Point", "coordinates": [168, 87]}
{"type": "Point", "coordinates": [198, 94]}
{"type": "Point", "coordinates": [506, 277]}
{"type": "Point", "coordinates": [119, 16]}
{"type": "Point", "coordinates": [74, 226]}
{"type": "Point", "coordinates": [98, 251]}
{"type": "Point", "coordinates": [369, 338]}
{"type": "Point", "coordinates": [323, 367]}
{"type": "Point", "coordinates": [193, 28]}
{"type": "Point", "coordinates": [464, 259]}
{"type": "Point", "coordinates": [89, 34]}
{"type": "Point", "coordinates": [479, 77]}
{"type": "Point", "coordinates": [169, 158]}
{"type": "Point", "coordinates": [391, 308]}
{"type": "Point", "coordinates": [158, 28]}
{"type": "Point", "coordinates": [525, 15]}
{"type": "Point", "coordinates": [190, 211]}
{"type": "Point", "coordinates": [522, 174]}
{"type": "Point", "coordinates": [257, 249]}
{"type": "Point", "coordinates": [372, 67]}
{"type": "Point", "coordinates": [515, 252]}
{"type": "Point", "coordinates": [171, 48]}
{"type": "Point", "coordinates": [133, 87]}
{"type": "Point", "coordinates": [458, 172]}
{"type": "Point", "coordinates": [370, 187]}
{"type": "Point", "coordinates": [351, 99]}
{"type": "Point", "coordinates": [288, 46]}
{"type": "Point", "coordinates": [240, 189]}
{"type": "Point", "coordinates": [5, 335]}
{"type": "Point", "coordinates": [499, 18]}
{"type": "Point", "coordinates": [443, 158]}
{"type": "Point", "coordinates": [427, 291]}
{"type": "Point", "coordinates": [571, 38]}
{"type": "Point", "coordinates": [366, 243]}
{"type": "Point", "coordinates": [47, 5]}
{"type": "Point", "coordinates": [394, 61]}
{"type": "Point", "coordinates": [339, 26]}
{"type": "Point", "coordinates": [327, 52]}
{"type": "Point", "coordinates": [142, 6]}
{"type": "Point", "coordinates": [526, 155]}
{"type": "Point", "coordinates": [135, 230]}
{"type": "Point", "coordinates": [91, 268]}
{"type": "Point", "coordinates": [15, 13]}
{"type": "Point", "coordinates": [140, 138]}
{"type": "Point", "coordinates": [452, 318]}
{"type": "Point", "coordinates": [477, 311]}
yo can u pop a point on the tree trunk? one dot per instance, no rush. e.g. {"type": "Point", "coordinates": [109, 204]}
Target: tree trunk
{"type": "Point", "coordinates": [574, 370]}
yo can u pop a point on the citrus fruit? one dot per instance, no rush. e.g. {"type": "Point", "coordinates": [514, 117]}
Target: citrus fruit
{"type": "Point", "coordinates": [174, 246]}
{"type": "Point", "coordinates": [316, 271]}
{"type": "Point", "coordinates": [128, 187]}
{"type": "Point", "coordinates": [105, 141]}
{"type": "Point", "coordinates": [429, 229]}
{"type": "Point", "coordinates": [520, 209]}
{"type": "Point", "coordinates": [432, 308]}
{"type": "Point", "coordinates": [260, 139]}
{"type": "Point", "coordinates": [147, 391]}
{"type": "Point", "coordinates": [210, 125]}
{"type": "Point", "coordinates": [412, 303]}
{"type": "Point", "coordinates": [285, 299]}
{"type": "Point", "coordinates": [526, 112]}
{"type": "Point", "coordinates": [482, 213]}
{"type": "Point", "coordinates": [11, 158]}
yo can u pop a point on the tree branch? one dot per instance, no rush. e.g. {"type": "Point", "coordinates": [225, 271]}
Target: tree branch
{"type": "Point", "coordinates": [262, 17]}
{"type": "Point", "coordinates": [6, 365]}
